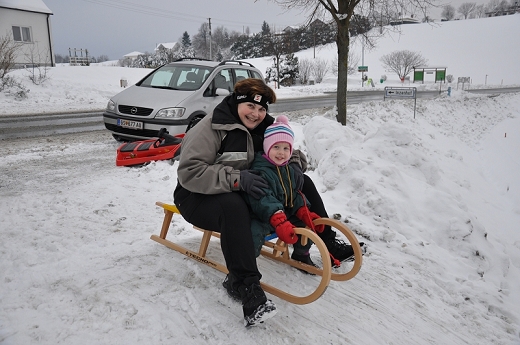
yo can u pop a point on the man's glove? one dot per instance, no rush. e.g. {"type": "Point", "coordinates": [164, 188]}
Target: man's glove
{"type": "Point", "coordinates": [298, 175]}
{"type": "Point", "coordinates": [251, 182]}
{"type": "Point", "coordinates": [284, 229]}
{"type": "Point", "coordinates": [307, 217]}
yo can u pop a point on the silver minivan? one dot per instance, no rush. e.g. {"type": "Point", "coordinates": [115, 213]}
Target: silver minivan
{"type": "Point", "coordinates": [173, 96]}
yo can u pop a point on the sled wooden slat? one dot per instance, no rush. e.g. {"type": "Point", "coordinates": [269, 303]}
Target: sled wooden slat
{"type": "Point", "coordinates": [278, 251]}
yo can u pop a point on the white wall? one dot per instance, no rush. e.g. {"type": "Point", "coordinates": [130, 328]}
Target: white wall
{"type": "Point", "coordinates": [39, 49]}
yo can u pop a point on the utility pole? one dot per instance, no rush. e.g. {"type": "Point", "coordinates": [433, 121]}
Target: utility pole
{"type": "Point", "coordinates": [362, 60]}
{"type": "Point", "coordinates": [209, 20]}
{"type": "Point", "coordinates": [314, 40]}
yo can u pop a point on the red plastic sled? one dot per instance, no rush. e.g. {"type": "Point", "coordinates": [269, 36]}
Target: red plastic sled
{"type": "Point", "coordinates": [165, 147]}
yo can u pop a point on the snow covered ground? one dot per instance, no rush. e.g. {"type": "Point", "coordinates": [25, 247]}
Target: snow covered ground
{"type": "Point", "coordinates": [436, 198]}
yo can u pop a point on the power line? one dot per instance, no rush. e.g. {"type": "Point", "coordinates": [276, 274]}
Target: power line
{"type": "Point", "coordinates": [160, 12]}
{"type": "Point", "coordinates": [142, 9]}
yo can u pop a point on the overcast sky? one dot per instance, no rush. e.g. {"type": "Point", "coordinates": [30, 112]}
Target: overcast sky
{"type": "Point", "coordinates": [118, 27]}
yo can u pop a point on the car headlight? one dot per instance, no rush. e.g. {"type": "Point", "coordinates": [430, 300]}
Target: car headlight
{"type": "Point", "coordinates": [111, 106]}
{"type": "Point", "coordinates": [172, 113]}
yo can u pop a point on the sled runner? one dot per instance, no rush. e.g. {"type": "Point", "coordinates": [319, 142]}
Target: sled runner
{"type": "Point", "coordinates": [278, 251]}
{"type": "Point", "coordinates": [165, 147]}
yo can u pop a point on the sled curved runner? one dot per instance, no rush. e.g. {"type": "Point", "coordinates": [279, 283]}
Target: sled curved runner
{"type": "Point", "coordinates": [278, 251]}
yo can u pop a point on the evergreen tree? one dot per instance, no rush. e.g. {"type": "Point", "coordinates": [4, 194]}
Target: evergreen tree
{"type": "Point", "coordinates": [186, 52]}
{"type": "Point", "coordinates": [359, 25]}
{"type": "Point", "coordinates": [239, 47]}
{"type": "Point", "coordinates": [265, 37]}
{"type": "Point", "coordinates": [270, 74]}
{"type": "Point", "coordinates": [186, 40]}
{"type": "Point", "coordinates": [288, 69]}
{"type": "Point", "coordinates": [266, 30]}
{"type": "Point", "coordinates": [289, 72]}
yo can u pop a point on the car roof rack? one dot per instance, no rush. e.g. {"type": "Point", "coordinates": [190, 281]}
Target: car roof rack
{"type": "Point", "coordinates": [191, 59]}
{"type": "Point", "coordinates": [234, 62]}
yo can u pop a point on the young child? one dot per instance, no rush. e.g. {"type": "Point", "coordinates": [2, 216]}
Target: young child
{"type": "Point", "coordinates": [283, 207]}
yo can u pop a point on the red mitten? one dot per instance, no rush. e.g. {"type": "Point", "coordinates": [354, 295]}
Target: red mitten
{"type": "Point", "coordinates": [284, 229]}
{"type": "Point", "coordinates": [307, 217]}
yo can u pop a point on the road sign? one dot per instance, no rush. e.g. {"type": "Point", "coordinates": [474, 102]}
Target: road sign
{"type": "Point", "coordinates": [362, 69]}
{"type": "Point", "coordinates": [400, 92]}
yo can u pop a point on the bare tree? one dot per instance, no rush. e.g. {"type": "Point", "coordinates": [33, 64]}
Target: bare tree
{"type": "Point", "coordinates": [448, 12]}
{"type": "Point", "coordinates": [342, 12]}
{"type": "Point", "coordinates": [402, 62]}
{"type": "Point", "coordinates": [504, 5]}
{"type": "Point", "coordinates": [320, 68]}
{"type": "Point", "coordinates": [200, 42]}
{"type": "Point", "coordinates": [353, 62]}
{"type": "Point", "coordinates": [497, 6]}
{"type": "Point", "coordinates": [305, 67]}
{"type": "Point", "coordinates": [221, 38]}
{"type": "Point", "coordinates": [479, 12]}
{"type": "Point", "coordinates": [36, 64]}
{"type": "Point", "coordinates": [8, 51]}
{"type": "Point", "coordinates": [467, 8]}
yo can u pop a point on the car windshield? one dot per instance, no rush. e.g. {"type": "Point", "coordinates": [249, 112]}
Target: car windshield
{"type": "Point", "coordinates": [183, 77]}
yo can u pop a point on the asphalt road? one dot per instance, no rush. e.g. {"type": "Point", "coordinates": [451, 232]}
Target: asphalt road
{"type": "Point", "coordinates": [24, 126]}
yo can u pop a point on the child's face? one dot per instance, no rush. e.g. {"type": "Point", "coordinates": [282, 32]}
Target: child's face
{"type": "Point", "coordinates": [280, 153]}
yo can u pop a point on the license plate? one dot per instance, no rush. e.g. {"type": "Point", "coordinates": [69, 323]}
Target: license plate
{"type": "Point", "coordinates": [129, 124]}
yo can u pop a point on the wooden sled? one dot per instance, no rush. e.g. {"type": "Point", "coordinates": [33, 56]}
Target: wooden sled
{"type": "Point", "coordinates": [278, 251]}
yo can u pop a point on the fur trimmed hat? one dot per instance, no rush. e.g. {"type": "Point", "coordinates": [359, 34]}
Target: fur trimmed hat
{"type": "Point", "coordinates": [279, 131]}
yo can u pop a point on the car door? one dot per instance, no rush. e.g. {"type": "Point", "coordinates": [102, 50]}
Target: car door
{"type": "Point", "coordinates": [222, 81]}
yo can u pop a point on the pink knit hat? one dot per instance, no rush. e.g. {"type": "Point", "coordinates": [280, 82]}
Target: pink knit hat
{"type": "Point", "coordinates": [279, 131]}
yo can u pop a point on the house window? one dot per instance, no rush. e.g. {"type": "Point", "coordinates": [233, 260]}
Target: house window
{"type": "Point", "coordinates": [22, 34]}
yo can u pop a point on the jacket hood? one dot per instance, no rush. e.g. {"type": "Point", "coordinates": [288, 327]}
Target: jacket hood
{"type": "Point", "coordinates": [226, 112]}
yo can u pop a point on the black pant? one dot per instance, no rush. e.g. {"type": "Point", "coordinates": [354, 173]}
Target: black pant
{"type": "Point", "coordinates": [227, 214]}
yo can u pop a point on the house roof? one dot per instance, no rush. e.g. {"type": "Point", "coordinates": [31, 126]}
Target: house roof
{"type": "Point", "coordinates": [291, 28]}
{"type": "Point", "coordinates": [167, 45]}
{"type": "Point", "coordinates": [26, 5]}
{"type": "Point", "coordinates": [405, 20]}
{"type": "Point", "coordinates": [133, 54]}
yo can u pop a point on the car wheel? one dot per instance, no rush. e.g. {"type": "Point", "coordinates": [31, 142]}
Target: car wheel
{"type": "Point", "coordinates": [193, 122]}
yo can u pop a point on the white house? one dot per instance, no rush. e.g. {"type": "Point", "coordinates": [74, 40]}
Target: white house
{"type": "Point", "coordinates": [165, 46]}
{"type": "Point", "coordinates": [28, 23]}
{"type": "Point", "coordinates": [132, 55]}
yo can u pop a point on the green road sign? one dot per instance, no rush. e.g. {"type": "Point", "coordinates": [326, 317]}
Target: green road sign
{"type": "Point", "coordinates": [362, 69]}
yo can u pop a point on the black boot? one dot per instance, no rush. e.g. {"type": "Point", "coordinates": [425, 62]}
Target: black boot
{"type": "Point", "coordinates": [304, 258]}
{"type": "Point", "coordinates": [228, 285]}
{"type": "Point", "coordinates": [255, 305]}
{"type": "Point", "coordinates": [341, 251]}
